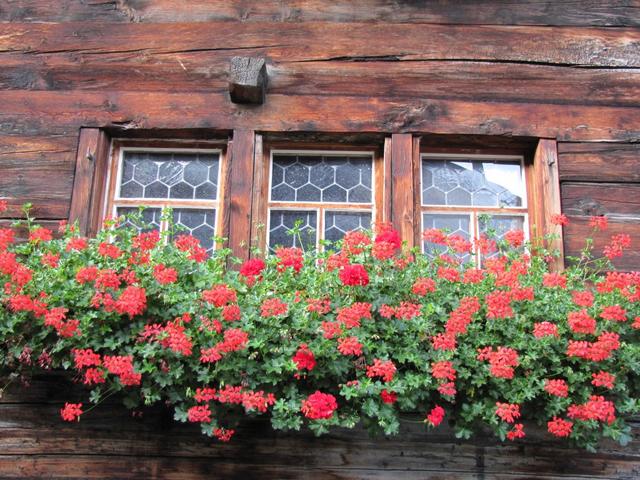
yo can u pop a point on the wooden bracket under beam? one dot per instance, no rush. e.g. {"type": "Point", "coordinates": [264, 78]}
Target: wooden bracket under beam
{"type": "Point", "coordinates": [248, 80]}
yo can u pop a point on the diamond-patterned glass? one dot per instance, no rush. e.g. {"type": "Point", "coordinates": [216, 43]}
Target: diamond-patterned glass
{"type": "Point", "coordinates": [459, 224]}
{"type": "Point", "coordinates": [170, 175]}
{"type": "Point", "coordinates": [281, 223]}
{"type": "Point", "coordinates": [337, 223]}
{"type": "Point", "coordinates": [319, 178]}
{"type": "Point", "coordinates": [479, 183]}
{"type": "Point", "coordinates": [197, 222]}
{"type": "Point", "coordinates": [150, 218]}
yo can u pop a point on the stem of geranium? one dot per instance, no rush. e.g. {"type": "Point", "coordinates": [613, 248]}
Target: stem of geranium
{"type": "Point", "coordinates": [110, 392]}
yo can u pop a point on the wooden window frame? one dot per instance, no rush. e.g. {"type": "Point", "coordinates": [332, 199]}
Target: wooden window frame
{"type": "Point", "coordinates": [245, 177]}
{"type": "Point", "coordinates": [541, 181]}
{"type": "Point", "coordinates": [118, 146]}
{"type": "Point", "coordinates": [475, 211]}
{"type": "Point", "coordinates": [262, 203]}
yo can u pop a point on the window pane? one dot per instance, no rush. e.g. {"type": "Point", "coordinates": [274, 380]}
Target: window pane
{"type": "Point", "coordinates": [175, 175]}
{"type": "Point", "coordinates": [501, 224]}
{"type": "Point", "coordinates": [199, 223]}
{"type": "Point", "coordinates": [317, 178]}
{"type": "Point", "coordinates": [336, 224]}
{"type": "Point", "coordinates": [281, 222]}
{"type": "Point", "coordinates": [150, 217]}
{"type": "Point", "coordinates": [473, 183]}
{"type": "Point", "coordinates": [459, 224]}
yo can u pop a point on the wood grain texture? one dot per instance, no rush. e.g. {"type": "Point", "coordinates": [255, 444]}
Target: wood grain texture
{"type": "Point", "coordinates": [545, 186]}
{"type": "Point", "coordinates": [109, 444]}
{"type": "Point", "coordinates": [89, 183]}
{"type": "Point", "coordinates": [206, 71]}
{"type": "Point", "coordinates": [240, 192]}
{"type": "Point", "coordinates": [619, 202]}
{"type": "Point", "coordinates": [592, 47]}
{"type": "Point", "coordinates": [599, 162]}
{"type": "Point", "coordinates": [578, 230]}
{"type": "Point", "coordinates": [159, 110]}
{"type": "Point", "coordinates": [403, 201]}
{"type": "Point", "coordinates": [515, 12]}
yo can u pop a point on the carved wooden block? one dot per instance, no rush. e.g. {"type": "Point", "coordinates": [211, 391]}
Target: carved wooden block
{"type": "Point", "coordinates": [248, 80]}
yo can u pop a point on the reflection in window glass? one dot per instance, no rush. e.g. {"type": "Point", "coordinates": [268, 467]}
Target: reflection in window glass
{"type": "Point", "coordinates": [472, 183]}
{"type": "Point", "coordinates": [458, 192]}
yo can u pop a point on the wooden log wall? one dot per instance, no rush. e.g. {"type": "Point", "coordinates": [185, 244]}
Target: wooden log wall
{"type": "Point", "coordinates": [564, 70]}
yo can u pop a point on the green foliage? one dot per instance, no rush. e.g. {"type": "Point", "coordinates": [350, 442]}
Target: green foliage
{"type": "Point", "coordinates": [183, 337]}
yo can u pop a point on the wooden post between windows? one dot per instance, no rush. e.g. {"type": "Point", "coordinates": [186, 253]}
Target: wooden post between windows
{"type": "Point", "coordinates": [546, 194]}
{"type": "Point", "coordinates": [241, 163]}
{"type": "Point", "coordinates": [402, 186]}
{"type": "Point", "coordinates": [88, 184]}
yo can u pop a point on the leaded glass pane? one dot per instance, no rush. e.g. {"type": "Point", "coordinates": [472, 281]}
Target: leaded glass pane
{"type": "Point", "coordinates": [500, 224]}
{"type": "Point", "coordinates": [336, 224]}
{"type": "Point", "coordinates": [169, 175]}
{"type": "Point", "coordinates": [150, 219]}
{"type": "Point", "coordinates": [478, 183]}
{"type": "Point", "coordinates": [458, 224]}
{"type": "Point", "coordinates": [317, 178]}
{"type": "Point", "coordinates": [282, 222]}
{"type": "Point", "coordinates": [197, 222]}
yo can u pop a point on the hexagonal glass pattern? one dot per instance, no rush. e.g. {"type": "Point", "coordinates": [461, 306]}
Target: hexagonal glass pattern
{"type": "Point", "coordinates": [198, 222]}
{"type": "Point", "coordinates": [321, 178]}
{"type": "Point", "coordinates": [170, 175]}
{"type": "Point", "coordinates": [459, 224]}
{"type": "Point", "coordinates": [337, 223]}
{"type": "Point", "coordinates": [479, 183]}
{"type": "Point", "coordinates": [150, 218]}
{"type": "Point", "coordinates": [500, 224]}
{"type": "Point", "coordinates": [282, 222]}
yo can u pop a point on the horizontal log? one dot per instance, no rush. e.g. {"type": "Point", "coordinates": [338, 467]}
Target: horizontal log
{"type": "Point", "coordinates": [619, 202]}
{"type": "Point", "coordinates": [27, 430]}
{"type": "Point", "coordinates": [158, 110]}
{"type": "Point", "coordinates": [516, 12]}
{"type": "Point", "coordinates": [591, 46]}
{"type": "Point", "coordinates": [42, 179]}
{"type": "Point", "coordinates": [21, 232]}
{"type": "Point", "coordinates": [578, 230]}
{"type": "Point", "coordinates": [202, 72]}
{"type": "Point", "coordinates": [599, 162]}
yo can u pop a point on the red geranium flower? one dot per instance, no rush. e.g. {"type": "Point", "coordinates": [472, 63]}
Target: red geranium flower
{"type": "Point", "coordinates": [354, 275]}
{"type": "Point", "coordinates": [319, 405]}
{"type": "Point", "coordinates": [71, 412]}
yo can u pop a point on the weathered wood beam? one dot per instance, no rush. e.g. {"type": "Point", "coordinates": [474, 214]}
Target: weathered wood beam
{"type": "Point", "coordinates": [248, 80]}
{"type": "Point", "coordinates": [240, 192]}
{"type": "Point", "coordinates": [353, 42]}
{"type": "Point", "coordinates": [613, 13]}
{"type": "Point", "coordinates": [546, 194]}
{"type": "Point", "coordinates": [402, 186]}
{"type": "Point", "coordinates": [89, 181]}
{"type": "Point", "coordinates": [160, 110]}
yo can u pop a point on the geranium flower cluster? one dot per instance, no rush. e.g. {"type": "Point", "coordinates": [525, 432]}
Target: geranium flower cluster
{"type": "Point", "coordinates": [367, 330]}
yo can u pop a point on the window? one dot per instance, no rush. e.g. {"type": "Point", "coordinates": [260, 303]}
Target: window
{"type": "Point", "coordinates": [325, 193]}
{"type": "Point", "coordinates": [471, 194]}
{"type": "Point", "coordinates": [187, 179]}
{"type": "Point", "coordinates": [328, 183]}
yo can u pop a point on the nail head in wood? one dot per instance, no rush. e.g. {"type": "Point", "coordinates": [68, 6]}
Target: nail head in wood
{"type": "Point", "coordinates": [248, 80]}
